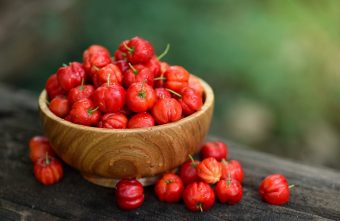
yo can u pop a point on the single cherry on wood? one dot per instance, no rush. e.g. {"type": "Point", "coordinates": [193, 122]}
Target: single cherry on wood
{"type": "Point", "coordinates": [38, 146]}
{"type": "Point", "coordinates": [129, 194]}
{"type": "Point", "coordinates": [229, 191]}
{"type": "Point", "coordinates": [209, 170]}
{"type": "Point", "coordinates": [188, 171]}
{"type": "Point", "coordinates": [274, 189]}
{"type": "Point", "coordinates": [169, 188]}
{"type": "Point", "coordinates": [215, 149]}
{"type": "Point", "coordinates": [198, 196]}
{"type": "Point", "coordinates": [48, 170]}
{"type": "Point", "coordinates": [232, 168]}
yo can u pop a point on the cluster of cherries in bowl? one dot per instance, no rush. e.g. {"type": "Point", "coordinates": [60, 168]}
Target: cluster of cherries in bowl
{"type": "Point", "coordinates": [134, 89]}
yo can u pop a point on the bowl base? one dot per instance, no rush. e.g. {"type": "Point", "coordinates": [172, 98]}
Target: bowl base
{"type": "Point", "coordinates": [111, 183]}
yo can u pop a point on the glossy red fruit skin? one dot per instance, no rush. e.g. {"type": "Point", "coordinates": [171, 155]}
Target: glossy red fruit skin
{"type": "Point", "coordinates": [167, 110]}
{"type": "Point", "coordinates": [215, 149]}
{"type": "Point", "coordinates": [60, 106]}
{"type": "Point", "coordinates": [84, 112]}
{"type": "Point", "coordinates": [71, 76]}
{"type": "Point", "coordinates": [274, 189]}
{"type": "Point", "coordinates": [234, 168]}
{"type": "Point", "coordinates": [188, 172]}
{"type": "Point", "coordinates": [190, 101]}
{"type": "Point", "coordinates": [80, 92]}
{"type": "Point", "coordinates": [109, 98]}
{"type": "Point", "coordinates": [162, 93]}
{"type": "Point", "coordinates": [142, 50]}
{"type": "Point", "coordinates": [229, 191]}
{"type": "Point", "coordinates": [176, 78]}
{"type": "Point", "coordinates": [169, 188]}
{"type": "Point", "coordinates": [195, 84]}
{"type": "Point", "coordinates": [140, 97]}
{"type": "Point", "coordinates": [38, 146]}
{"type": "Point", "coordinates": [209, 170]}
{"type": "Point", "coordinates": [123, 65]}
{"type": "Point", "coordinates": [53, 87]}
{"type": "Point", "coordinates": [163, 67]}
{"type": "Point", "coordinates": [94, 58]}
{"type": "Point", "coordinates": [129, 194]}
{"type": "Point", "coordinates": [49, 172]}
{"type": "Point", "coordinates": [198, 194]}
{"type": "Point", "coordinates": [141, 120]}
{"type": "Point", "coordinates": [154, 66]}
{"type": "Point", "coordinates": [121, 52]}
{"type": "Point", "coordinates": [113, 121]}
{"type": "Point", "coordinates": [101, 76]}
{"type": "Point", "coordinates": [140, 74]}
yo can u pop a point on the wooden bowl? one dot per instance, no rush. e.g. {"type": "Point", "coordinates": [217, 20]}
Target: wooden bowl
{"type": "Point", "coordinates": [105, 155]}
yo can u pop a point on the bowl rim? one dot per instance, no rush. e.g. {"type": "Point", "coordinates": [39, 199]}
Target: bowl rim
{"type": "Point", "coordinates": [209, 101]}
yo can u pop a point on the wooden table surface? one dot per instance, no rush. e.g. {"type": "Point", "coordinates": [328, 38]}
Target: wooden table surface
{"type": "Point", "coordinates": [316, 196]}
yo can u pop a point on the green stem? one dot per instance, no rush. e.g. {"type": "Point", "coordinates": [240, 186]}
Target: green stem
{"type": "Point", "coordinates": [166, 50]}
{"type": "Point", "coordinates": [159, 78]}
{"type": "Point", "coordinates": [108, 79]}
{"type": "Point", "coordinates": [174, 92]}
{"type": "Point", "coordinates": [91, 111]}
{"type": "Point", "coordinates": [134, 70]}
{"type": "Point", "coordinates": [130, 50]}
{"type": "Point", "coordinates": [64, 65]}
{"type": "Point", "coordinates": [82, 85]}
{"type": "Point", "coordinates": [47, 160]}
{"type": "Point", "coordinates": [291, 186]}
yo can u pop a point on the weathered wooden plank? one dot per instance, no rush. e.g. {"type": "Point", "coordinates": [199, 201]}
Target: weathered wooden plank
{"type": "Point", "coordinates": [316, 197]}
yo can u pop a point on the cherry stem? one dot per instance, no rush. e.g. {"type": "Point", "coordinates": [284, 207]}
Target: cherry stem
{"type": "Point", "coordinates": [131, 50]}
{"type": "Point", "coordinates": [142, 92]}
{"type": "Point", "coordinates": [47, 160]}
{"type": "Point", "coordinates": [82, 85]}
{"type": "Point", "coordinates": [159, 78]}
{"type": "Point", "coordinates": [47, 102]}
{"type": "Point", "coordinates": [168, 181]}
{"type": "Point", "coordinates": [199, 205]}
{"type": "Point", "coordinates": [174, 92]}
{"type": "Point", "coordinates": [229, 179]}
{"type": "Point", "coordinates": [108, 79]}
{"type": "Point", "coordinates": [291, 186]}
{"type": "Point", "coordinates": [134, 70]}
{"type": "Point", "coordinates": [191, 158]}
{"type": "Point", "coordinates": [64, 65]}
{"type": "Point", "coordinates": [166, 50]}
{"type": "Point", "coordinates": [91, 111]}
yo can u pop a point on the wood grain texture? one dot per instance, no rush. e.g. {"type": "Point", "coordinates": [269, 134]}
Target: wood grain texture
{"type": "Point", "coordinates": [316, 196]}
{"type": "Point", "coordinates": [103, 155]}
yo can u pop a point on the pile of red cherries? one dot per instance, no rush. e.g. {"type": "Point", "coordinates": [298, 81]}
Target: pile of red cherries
{"type": "Point", "coordinates": [133, 89]}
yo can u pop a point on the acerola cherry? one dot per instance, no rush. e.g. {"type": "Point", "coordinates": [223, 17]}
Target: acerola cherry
{"type": "Point", "coordinates": [122, 65]}
{"type": "Point", "coordinates": [162, 93]}
{"type": "Point", "coordinates": [71, 76]}
{"type": "Point", "coordinates": [60, 106]}
{"type": "Point", "coordinates": [109, 98]}
{"type": "Point", "coordinates": [176, 78]}
{"type": "Point", "coordinates": [198, 196]}
{"type": "Point", "coordinates": [129, 194]}
{"type": "Point", "coordinates": [113, 120]}
{"type": "Point", "coordinates": [190, 101]}
{"type": "Point", "coordinates": [53, 87]}
{"type": "Point", "coordinates": [80, 92]}
{"type": "Point", "coordinates": [139, 50]}
{"type": "Point", "coordinates": [169, 188]}
{"type": "Point", "coordinates": [140, 97]}
{"type": "Point", "coordinates": [209, 170]}
{"type": "Point", "coordinates": [215, 149]}
{"type": "Point", "coordinates": [229, 191]}
{"type": "Point", "coordinates": [188, 172]}
{"type": "Point", "coordinates": [121, 52]}
{"type": "Point", "coordinates": [94, 58]}
{"type": "Point", "coordinates": [154, 66]}
{"type": "Point", "coordinates": [38, 146]}
{"type": "Point", "coordinates": [48, 170]}
{"type": "Point", "coordinates": [195, 84]}
{"type": "Point", "coordinates": [84, 112]}
{"type": "Point", "coordinates": [167, 110]}
{"type": "Point", "coordinates": [234, 168]}
{"type": "Point", "coordinates": [274, 189]}
{"type": "Point", "coordinates": [101, 76]}
{"type": "Point", "coordinates": [138, 73]}
{"type": "Point", "coordinates": [141, 120]}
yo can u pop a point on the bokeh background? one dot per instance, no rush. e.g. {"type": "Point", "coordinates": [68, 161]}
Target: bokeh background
{"type": "Point", "coordinates": [274, 65]}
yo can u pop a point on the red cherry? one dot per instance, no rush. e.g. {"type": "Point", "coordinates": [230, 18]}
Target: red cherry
{"type": "Point", "coordinates": [229, 191]}
{"type": "Point", "coordinates": [113, 120]}
{"type": "Point", "coordinates": [109, 98]}
{"type": "Point", "coordinates": [38, 146]}
{"type": "Point", "coordinates": [80, 92]}
{"type": "Point", "coordinates": [129, 194]}
{"type": "Point", "coordinates": [140, 97]}
{"type": "Point", "coordinates": [233, 168]}
{"type": "Point", "coordinates": [167, 110]}
{"type": "Point", "coordinates": [274, 189]}
{"type": "Point", "coordinates": [190, 101]}
{"type": "Point", "coordinates": [71, 76]}
{"type": "Point", "coordinates": [94, 58]}
{"type": "Point", "coordinates": [109, 71]}
{"type": "Point", "coordinates": [53, 87]}
{"type": "Point", "coordinates": [139, 50]}
{"type": "Point", "coordinates": [121, 52]}
{"type": "Point", "coordinates": [209, 170]}
{"type": "Point", "coordinates": [123, 65]}
{"type": "Point", "coordinates": [138, 73]}
{"type": "Point", "coordinates": [141, 120]}
{"type": "Point", "coordinates": [84, 112]}
{"type": "Point", "coordinates": [198, 196]}
{"type": "Point", "coordinates": [176, 78]}
{"type": "Point", "coordinates": [60, 106]}
{"type": "Point", "coordinates": [169, 188]}
{"type": "Point", "coordinates": [188, 172]}
{"type": "Point", "coordinates": [216, 149]}
{"type": "Point", "coordinates": [195, 84]}
{"type": "Point", "coordinates": [48, 170]}
{"type": "Point", "coordinates": [154, 66]}
{"type": "Point", "coordinates": [162, 93]}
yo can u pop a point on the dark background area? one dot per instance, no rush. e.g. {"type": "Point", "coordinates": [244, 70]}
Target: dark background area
{"type": "Point", "coordinates": [274, 65]}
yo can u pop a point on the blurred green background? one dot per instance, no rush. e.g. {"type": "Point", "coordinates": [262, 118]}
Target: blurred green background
{"type": "Point", "coordinates": [274, 65]}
